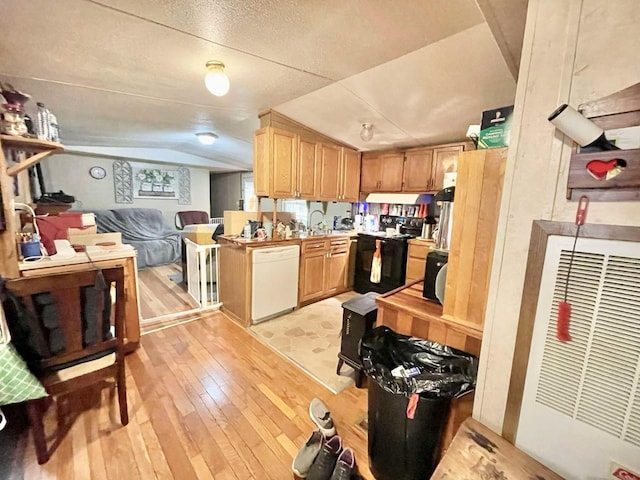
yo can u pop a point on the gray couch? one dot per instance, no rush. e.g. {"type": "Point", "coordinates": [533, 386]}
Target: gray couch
{"type": "Point", "coordinates": [146, 229]}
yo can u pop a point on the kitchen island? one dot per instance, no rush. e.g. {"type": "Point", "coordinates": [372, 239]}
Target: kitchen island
{"type": "Point", "coordinates": [325, 269]}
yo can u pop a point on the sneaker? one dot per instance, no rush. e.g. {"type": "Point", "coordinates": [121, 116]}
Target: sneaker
{"type": "Point", "coordinates": [325, 462]}
{"type": "Point", "coordinates": [307, 454]}
{"type": "Point", "coordinates": [344, 466]}
{"type": "Point", "coordinates": [322, 417]}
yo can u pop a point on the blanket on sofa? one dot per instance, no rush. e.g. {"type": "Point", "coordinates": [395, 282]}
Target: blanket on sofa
{"type": "Point", "coordinates": [146, 229]}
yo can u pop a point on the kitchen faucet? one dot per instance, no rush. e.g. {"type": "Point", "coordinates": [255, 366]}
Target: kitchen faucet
{"type": "Point", "coordinates": [311, 214]}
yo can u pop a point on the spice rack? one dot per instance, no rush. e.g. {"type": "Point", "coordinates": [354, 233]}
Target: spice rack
{"type": "Point", "coordinates": [618, 110]}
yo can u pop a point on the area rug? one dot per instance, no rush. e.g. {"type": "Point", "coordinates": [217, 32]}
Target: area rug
{"type": "Point", "coordinates": [310, 338]}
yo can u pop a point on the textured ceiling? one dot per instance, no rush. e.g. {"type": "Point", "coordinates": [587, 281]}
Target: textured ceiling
{"type": "Point", "coordinates": [130, 74]}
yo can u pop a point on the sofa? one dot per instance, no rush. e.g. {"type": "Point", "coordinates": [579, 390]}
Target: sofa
{"type": "Point", "coordinates": [146, 230]}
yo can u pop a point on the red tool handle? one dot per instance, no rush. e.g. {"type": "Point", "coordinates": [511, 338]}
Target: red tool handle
{"type": "Point", "coordinates": [581, 214]}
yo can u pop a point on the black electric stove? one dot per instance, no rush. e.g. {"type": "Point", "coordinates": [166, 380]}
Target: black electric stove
{"type": "Point", "coordinates": [394, 261]}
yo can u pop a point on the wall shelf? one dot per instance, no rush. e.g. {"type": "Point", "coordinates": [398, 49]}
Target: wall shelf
{"type": "Point", "coordinates": [38, 150]}
{"type": "Point", "coordinates": [618, 110]}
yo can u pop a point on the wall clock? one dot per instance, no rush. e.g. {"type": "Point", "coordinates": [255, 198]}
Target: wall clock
{"type": "Point", "coordinates": [97, 172]}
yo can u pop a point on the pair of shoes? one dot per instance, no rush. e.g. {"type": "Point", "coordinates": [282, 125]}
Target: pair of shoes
{"type": "Point", "coordinates": [307, 454]}
{"type": "Point", "coordinates": [333, 462]}
{"type": "Point", "coordinates": [321, 416]}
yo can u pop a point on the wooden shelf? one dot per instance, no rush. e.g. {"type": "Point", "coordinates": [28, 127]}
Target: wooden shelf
{"type": "Point", "coordinates": [38, 148]}
{"type": "Point", "coordinates": [629, 178]}
{"type": "Point", "coordinates": [30, 144]}
{"type": "Point", "coordinates": [618, 110]}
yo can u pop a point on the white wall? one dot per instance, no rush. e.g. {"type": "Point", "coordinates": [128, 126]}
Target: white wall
{"type": "Point", "coordinates": [574, 51]}
{"type": "Point", "coordinates": [70, 173]}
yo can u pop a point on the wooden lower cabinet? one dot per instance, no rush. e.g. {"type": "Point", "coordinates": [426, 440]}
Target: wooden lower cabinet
{"type": "Point", "coordinates": [417, 260]}
{"type": "Point", "coordinates": [312, 272]}
{"type": "Point", "coordinates": [324, 268]}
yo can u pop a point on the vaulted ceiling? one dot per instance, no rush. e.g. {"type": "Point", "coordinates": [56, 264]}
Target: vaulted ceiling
{"type": "Point", "coordinates": [125, 79]}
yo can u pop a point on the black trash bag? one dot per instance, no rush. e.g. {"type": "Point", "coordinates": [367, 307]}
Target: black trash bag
{"type": "Point", "coordinates": [426, 368]}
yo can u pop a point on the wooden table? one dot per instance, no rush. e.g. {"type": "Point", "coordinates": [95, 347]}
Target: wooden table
{"type": "Point", "coordinates": [124, 256]}
{"type": "Point", "coordinates": [478, 453]}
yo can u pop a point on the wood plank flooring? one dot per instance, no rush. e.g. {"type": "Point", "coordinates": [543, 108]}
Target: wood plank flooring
{"type": "Point", "coordinates": [161, 296]}
{"type": "Point", "coordinates": [207, 400]}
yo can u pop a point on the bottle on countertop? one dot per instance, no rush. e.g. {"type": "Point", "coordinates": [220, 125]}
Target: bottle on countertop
{"type": "Point", "coordinates": [247, 231]}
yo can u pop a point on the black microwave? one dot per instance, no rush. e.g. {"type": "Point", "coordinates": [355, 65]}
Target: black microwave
{"type": "Point", "coordinates": [435, 261]}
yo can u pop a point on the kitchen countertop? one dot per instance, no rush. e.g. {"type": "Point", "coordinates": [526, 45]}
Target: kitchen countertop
{"type": "Point", "coordinates": [242, 242]}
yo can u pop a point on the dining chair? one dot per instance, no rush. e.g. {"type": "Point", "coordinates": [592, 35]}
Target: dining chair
{"type": "Point", "coordinates": [63, 331]}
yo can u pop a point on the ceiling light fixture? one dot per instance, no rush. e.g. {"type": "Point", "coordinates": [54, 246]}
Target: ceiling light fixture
{"type": "Point", "coordinates": [206, 138]}
{"type": "Point", "coordinates": [366, 134]}
{"type": "Point", "coordinates": [216, 80]}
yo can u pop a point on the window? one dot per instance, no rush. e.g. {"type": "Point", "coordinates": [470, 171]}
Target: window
{"type": "Point", "coordinates": [298, 208]}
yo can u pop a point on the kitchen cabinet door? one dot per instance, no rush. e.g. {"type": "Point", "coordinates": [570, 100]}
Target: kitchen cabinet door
{"type": "Point", "coordinates": [418, 165]}
{"type": "Point", "coordinates": [329, 172]}
{"type": "Point", "coordinates": [312, 272]}
{"type": "Point", "coordinates": [350, 170]}
{"type": "Point", "coordinates": [416, 260]}
{"type": "Point", "coordinates": [337, 264]}
{"type": "Point", "coordinates": [284, 158]}
{"type": "Point", "coordinates": [392, 166]}
{"type": "Point", "coordinates": [307, 163]}
{"type": "Point", "coordinates": [445, 159]}
{"type": "Point", "coordinates": [261, 162]}
{"type": "Point", "coordinates": [370, 173]}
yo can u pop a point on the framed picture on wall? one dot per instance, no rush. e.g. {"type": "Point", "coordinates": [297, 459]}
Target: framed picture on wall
{"type": "Point", "coordinates": [155, 183]}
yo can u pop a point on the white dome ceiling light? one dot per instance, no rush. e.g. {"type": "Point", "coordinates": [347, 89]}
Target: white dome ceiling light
{"type": "Point", "coordinates": [216, 80]}
{"type": "Point", "coordinates": [366, 134]}
{"type": "Point", "coordinates": [206, 138]}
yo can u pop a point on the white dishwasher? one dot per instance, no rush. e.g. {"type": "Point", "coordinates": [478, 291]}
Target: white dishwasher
{"type": "Point", "coordinates": [274, 284]}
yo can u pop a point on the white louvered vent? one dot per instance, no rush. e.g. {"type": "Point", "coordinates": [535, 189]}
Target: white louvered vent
{"type": "Point", "coordinates": [594, 378]}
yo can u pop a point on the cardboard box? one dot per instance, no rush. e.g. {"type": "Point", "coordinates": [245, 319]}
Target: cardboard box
{"type": "Point", "coordinates": [495, 128]}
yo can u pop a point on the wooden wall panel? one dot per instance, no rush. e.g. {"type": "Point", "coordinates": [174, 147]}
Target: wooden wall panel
{"type": "Point", "coordinates": [477, 205]}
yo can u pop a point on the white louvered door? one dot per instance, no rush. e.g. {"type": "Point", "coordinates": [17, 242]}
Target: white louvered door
{"type": "Point", "coordinates": [581, 404]}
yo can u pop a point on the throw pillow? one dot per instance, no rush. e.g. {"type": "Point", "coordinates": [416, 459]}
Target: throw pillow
{"type": "Point", "coordinates": [17, 383]}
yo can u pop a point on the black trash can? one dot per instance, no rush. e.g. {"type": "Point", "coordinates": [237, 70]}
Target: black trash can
{"type": "Point", "coordinates": [404, 441]}
{"type": "Point", "coordinates": [359, 315]}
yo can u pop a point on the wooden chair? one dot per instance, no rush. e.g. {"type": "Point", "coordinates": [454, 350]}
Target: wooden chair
{"type": "Point", "coordinates": [88, 353]}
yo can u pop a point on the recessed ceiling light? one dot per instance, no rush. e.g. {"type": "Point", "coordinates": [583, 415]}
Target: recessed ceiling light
{"type": "Point", "coordinates": [216, 80]}
{"type": "Point", "coordinates": [206, 138]}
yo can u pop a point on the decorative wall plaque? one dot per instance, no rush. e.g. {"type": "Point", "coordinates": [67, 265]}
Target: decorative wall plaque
{"type": "Point", "coordinates": [184, 186]}
{"type": "Point", "coordinates": [123, 181]}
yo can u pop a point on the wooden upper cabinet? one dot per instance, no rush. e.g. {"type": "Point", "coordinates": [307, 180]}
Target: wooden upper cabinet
{"type": "Point", "coordinates": [418, 166]}
{"type": "Point", "coordinates": [329, 172]}
{"type": "Point", "coordinates": [392, 166]}
{"type": "Point", "coordinates": [445, 159]}
{"type": "Point", "coordinates": [261, 162]}
{"type": "Point", "coordinates": [350, 172]}
{"type": "Point", "coordinates": [284, 158]}
{"type": "Point", "coordinates": [370, 173]}
{"type": "Point", "coordinates": [307, 167]}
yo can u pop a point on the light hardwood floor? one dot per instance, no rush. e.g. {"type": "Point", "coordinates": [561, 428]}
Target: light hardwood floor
{"type": "Point", "coordinates": [160, 296]}
{"type": "Point", "coordinates": [207, 400]}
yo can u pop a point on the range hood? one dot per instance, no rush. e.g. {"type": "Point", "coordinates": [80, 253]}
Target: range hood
{"type": "Point", "coordinates": [403, 198]}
